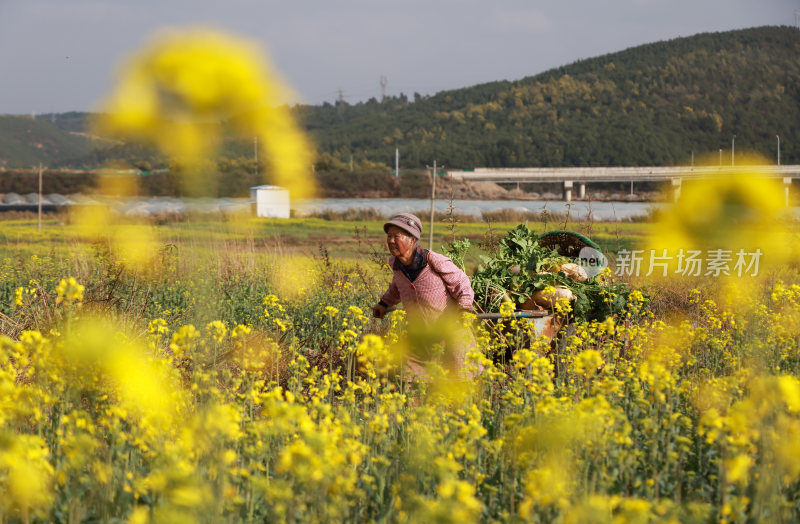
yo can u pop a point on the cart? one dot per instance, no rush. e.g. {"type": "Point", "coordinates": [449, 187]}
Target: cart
{"type": "Point", "coordinates": [545, 323]}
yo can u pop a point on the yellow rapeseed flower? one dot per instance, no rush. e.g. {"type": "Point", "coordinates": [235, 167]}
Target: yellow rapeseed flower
{"type": "Point", "coordinates": [216, 330]}
{"type": "Point", "coordinates": [157, 327]}
{"type": "Point", "coordinates": [139, 515]}
{"type": "Point", "coordinates": [183, 340]}
{"type": "Point", "coordinates": [240, 331]}
{"type": "Point", "coordinates": [27, 475]}
{"type": "Point", "coordinates": [330, 311]}
{"type": "Point", "coordinates": [588, 362]}
{"type": "Point", "coordinates": [790, 391]}
{"type": "Point", "coordinates": [738, 468]}
{"type": "Point", "coordinates": [507, 308]}
{"type": "Point", "coordinates": [69, 291]}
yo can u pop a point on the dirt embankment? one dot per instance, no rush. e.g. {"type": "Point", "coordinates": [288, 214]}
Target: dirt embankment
{"type": "Point", "coordinates": [464, 190]}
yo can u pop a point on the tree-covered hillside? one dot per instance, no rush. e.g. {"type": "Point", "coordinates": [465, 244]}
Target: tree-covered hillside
{"type": "Point", "coordinates": [650, 105]}
{"type": "Point", "coordinates": [24, 142]}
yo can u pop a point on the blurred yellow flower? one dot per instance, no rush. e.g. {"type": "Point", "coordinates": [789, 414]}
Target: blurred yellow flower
{"type": "Point", "coordinates": [69, 291]}
{"type": "Point", "coordinates": [26, 475]}
{"type": "Point", "coordinates": [790, 390]}
{"type": "Point", "coordinates": [738, 468]}
{"type": "Point", "coordinates": [725, 218]}
{"type": "Point", "coordinates": [178, 89]}
{"type": "Point", "coordinates": [139, 515]}
{"type": "Point", "coordinates": [216, 330]}
{"type": "Point", "coordinates": [588, 362]}
{"type": "Point", "coordinates": [157, 327]}
{"type": "Point", "coordinates": [240, 331]}
{"type": "Point", "coordinates": [183, 340]}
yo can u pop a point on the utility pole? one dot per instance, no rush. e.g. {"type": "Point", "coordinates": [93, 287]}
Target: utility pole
{"type": "Point", "coordinates": [396, 162]}
{"type": "Point", "coordinates": [39, 222]}
{"type": "Point", "coordinates": [433, 196]}
{"type": "Point", "coordinates": [255, 155]}
{"type": "Point", "coordinates": [779, 149]}
{"type": "Point", "coordinates": [733, 149]}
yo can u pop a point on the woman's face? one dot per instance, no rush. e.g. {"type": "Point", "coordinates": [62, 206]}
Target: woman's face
{"type": "Point", "coordinates": [400, 243]}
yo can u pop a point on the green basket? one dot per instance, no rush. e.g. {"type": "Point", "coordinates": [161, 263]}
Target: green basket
{"type": "Point", "coordinates": [565, 243]}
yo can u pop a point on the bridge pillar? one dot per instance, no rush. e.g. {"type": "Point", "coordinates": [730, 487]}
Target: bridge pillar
{"type": "Point", "coordinates": [567, 190]}
{"type": "Point", "coordinates": [676, 188]}
{"type": "Point", "coordinates": [581, 191]}
{"type": "Point", "coordinates": [787, 183]}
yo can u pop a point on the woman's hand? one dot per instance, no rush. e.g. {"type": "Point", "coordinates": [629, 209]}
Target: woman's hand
{"type": "Point", "coordinates": [379, 311]}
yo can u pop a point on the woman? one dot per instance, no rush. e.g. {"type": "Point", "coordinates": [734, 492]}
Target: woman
{"type": "Point", "coordinates": [427, 283]}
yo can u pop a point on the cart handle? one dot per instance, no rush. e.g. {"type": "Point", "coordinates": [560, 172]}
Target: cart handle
{"type": "Point", "coordinates": [495, 316]}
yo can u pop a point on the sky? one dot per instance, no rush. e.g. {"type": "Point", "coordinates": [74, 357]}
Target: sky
{"type": "Point", "coordinates": [62, 55]}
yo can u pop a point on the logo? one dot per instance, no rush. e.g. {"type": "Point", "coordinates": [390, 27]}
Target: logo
{"type": "Point", "coordinates": [592, 260]}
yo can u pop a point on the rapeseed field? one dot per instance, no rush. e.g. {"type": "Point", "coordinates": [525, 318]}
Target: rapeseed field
{"type": "Point", "coordinates": [175, 395]}
{"type": "Point", "coordinates": [149, 379]}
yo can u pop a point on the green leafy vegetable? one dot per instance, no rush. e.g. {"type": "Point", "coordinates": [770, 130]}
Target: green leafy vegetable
{"type": "Point", "coordinates": [521, 267]}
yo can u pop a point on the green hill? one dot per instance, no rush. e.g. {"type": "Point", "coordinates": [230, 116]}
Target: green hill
{"type": "Point", "coordinates": [654, 104]}
{"type": "Point", "coordinates": [73, 121]}
{"type": "Point", "coordinates": [24, 142]}
{"type": "Point", "coordinates": [650, 105]}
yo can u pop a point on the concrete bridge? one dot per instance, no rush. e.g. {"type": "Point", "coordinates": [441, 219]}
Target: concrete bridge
{"type": "Point", "coordinates": [569, 176]}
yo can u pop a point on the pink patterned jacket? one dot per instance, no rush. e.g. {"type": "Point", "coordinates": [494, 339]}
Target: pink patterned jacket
{"type": "Point", "coordinates": [440, 284]}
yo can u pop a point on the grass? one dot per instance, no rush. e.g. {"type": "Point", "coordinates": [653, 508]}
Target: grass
{"type": "Point", "coordinates": [305, 235]}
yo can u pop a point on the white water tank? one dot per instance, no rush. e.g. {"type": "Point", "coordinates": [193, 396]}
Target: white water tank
{"type": "Point", "coordinates": [270, 201]}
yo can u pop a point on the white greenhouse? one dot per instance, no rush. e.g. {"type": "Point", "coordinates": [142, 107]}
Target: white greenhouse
{"type": "Point", "coordinates": [270, 201]}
